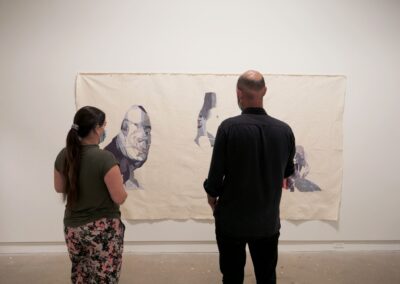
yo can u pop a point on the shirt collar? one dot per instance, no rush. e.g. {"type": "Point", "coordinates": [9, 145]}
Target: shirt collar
{"type": "Point", "coordinates": [254, 110]}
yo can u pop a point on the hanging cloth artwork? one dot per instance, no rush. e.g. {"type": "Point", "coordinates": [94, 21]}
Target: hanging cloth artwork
{"type": "Point", "coordinates": [161, 128]}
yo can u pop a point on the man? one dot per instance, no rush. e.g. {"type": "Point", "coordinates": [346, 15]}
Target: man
{"type": "Point", "coordinates": [131, 146]}
{"type": "Point", "coordinates": [252, 154]}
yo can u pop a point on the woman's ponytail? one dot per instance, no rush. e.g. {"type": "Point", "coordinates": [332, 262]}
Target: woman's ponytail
{"type": "Point", "coordinates": [86, 119]}
{"type": "Point", "coordinates": [71, 167]}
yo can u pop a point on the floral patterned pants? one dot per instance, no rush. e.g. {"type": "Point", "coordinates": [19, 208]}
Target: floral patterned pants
{"type": "Point", "coordinates": [95, 250]}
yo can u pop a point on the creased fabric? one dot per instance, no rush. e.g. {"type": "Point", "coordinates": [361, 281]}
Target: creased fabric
{"type": "Point", "coordinates": [162, 127]}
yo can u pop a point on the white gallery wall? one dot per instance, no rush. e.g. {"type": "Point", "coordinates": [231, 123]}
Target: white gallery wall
{"type": "Point", "coordinates": [44, 44]}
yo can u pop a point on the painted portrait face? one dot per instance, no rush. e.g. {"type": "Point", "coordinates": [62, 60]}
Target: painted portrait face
{"type": "Point", "coordinates": [201, 124]}
{"type": "Point", "coordinates": [135, 137]}
{"type": "Point", "coordinates": [210, 101]}
{"type": "Point", "coordinates": [212, 122]}
{"type": "Point", "coordinates": [207, 121]}
{"type": "Point", "coordinates": [299, 157]}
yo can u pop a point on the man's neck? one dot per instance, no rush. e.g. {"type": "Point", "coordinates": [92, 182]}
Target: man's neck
{"type": "Point", "coordinates": [256, 102]}
{"type": "Point", "coordinates": [252, 105]}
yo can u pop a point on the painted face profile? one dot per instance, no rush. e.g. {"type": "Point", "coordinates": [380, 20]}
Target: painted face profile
{"type": "Point", "coordinates": [208, 120]}
{"type": "Point", "coordinates": [212, 125]}
{"type": "Point", "coordinates": [300, 163]}
{"type": "Point", "coordinates": [301, 169]}
{"type": "Point", "coordinates": [135, 137]}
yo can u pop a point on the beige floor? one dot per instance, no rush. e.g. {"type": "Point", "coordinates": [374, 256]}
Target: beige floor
{"type": "Point", "coordinates": [325, 267]}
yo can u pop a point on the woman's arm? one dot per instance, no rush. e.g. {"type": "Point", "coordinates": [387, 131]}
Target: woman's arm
{"type": "Point", "coordinates": [113, 180]}
{"type": "Point", "coordinates": [59, 182]}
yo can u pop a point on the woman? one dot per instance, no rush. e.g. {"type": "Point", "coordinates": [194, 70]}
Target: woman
{"type": "Point", "coordinates": [91, 182]}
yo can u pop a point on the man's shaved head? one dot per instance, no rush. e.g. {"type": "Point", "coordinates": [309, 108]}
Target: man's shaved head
{"type": "Point", "coordinates": [251, 81]}
{"type": "Point", "coordinates": [251, 89]}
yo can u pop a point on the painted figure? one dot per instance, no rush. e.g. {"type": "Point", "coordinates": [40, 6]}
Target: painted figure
{"type": "Point", "coordinates": [131, 146]}
{"type": "Point", "coordinates": [207, 122]}
{"type": "Point", "coordinates": [301, 169]}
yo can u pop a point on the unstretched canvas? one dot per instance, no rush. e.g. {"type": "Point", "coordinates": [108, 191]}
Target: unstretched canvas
{"type": "Point", "coordinates": [161, 128]}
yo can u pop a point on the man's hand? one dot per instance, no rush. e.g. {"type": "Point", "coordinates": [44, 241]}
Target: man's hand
{"type": "Point", "coordinates": [285, 183]}
{"type": "Point", "coordinates": [212, 201]}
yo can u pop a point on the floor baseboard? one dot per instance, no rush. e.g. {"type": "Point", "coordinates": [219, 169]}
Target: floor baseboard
{"type": "Point", "coordinates": [208, 247]}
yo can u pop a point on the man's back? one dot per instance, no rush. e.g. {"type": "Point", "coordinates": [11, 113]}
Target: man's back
{"type": "Point", "coordinates": [253, 152]}
{"type": "Point", "coordinates": [252, 155]}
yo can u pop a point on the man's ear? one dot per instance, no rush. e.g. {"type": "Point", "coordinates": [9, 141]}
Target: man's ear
{"type": "Point", "coordinates": [265, 90]}
{"type": "Point", "coordinates": [239, 93]}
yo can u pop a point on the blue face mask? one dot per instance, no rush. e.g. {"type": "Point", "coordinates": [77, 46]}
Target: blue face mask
{"type": "Point", "coordinates": [103, 136]}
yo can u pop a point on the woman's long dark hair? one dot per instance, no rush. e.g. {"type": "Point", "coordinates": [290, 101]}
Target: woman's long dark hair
{"type": "Point", "coordinates": [86, 119]}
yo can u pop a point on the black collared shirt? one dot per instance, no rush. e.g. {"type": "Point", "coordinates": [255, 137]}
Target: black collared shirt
{"type": "Point", "coordinates": [252, 154]}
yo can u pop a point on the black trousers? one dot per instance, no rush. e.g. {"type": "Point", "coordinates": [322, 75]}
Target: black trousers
{"type": "Point", "coordinates": [232, 258]}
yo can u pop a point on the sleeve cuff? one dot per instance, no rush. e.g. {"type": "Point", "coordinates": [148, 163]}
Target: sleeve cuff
{"type": "Point", "coordinates": [207, 189]}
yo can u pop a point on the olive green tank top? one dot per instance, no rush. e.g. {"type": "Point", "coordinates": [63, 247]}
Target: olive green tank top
{"type": "Point", "coordinates": [94, 200]}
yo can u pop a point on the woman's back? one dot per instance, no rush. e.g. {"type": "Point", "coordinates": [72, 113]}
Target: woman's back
{"type": "Point", "coordinates": [94, 200]}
